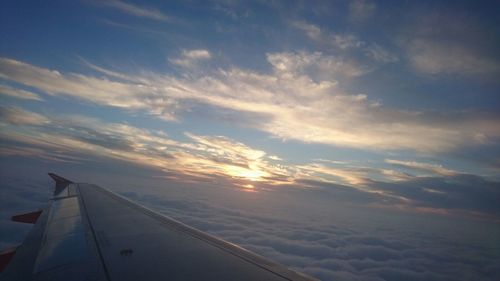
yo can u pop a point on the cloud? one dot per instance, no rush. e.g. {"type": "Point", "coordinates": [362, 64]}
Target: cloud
{"type": "Point", "coordinates": [298, 99]}
{"type": "Point", "coordinates": [352, 176]}
{"type": "Point", "coordinates": [379, 54]}
{"type": "Point", "coordinates": [434, 57]}
{"type": "Point", "coordinates": [313, 231]}
{"type": "Point", "coordinates": [18, 195]}
{"type": "Point", "coordinates": [314, 64]}
{"type": "Point", "coordinates": [19, 116]}
{"type": "Point", "coordinates": [438, 190]}
{"type": "Point", "coordinates": [19, 93]}
{"type": "Point", "coordinates": [275, 158]}
{"type": "Point", "coordinates": [134, 10]}
{"type": "Point", "coordinates": [460, 193]}
{"type": "Point", "coordinates": [324, 241]}
{"type": "Point", "coordinates": [423, 167]}
{"type": "Point", "coordinates": [311, 30]}
{"type": "Point", "coordinates": [206, 157]}
{"type": "Point", "coordinates": [76, 139]}
{"type": "Point", "coordinates": [450, 43]}
{"type": "Point", "coordinates": [346, 42]}
{"type": "Point", "coordinates": [129, 92]}
{"type": "Point", "coordinates": [337, 40]}
{"type": "Point", "coordinates": [189, 58]}
{"type": "Point", "coordinates": [361, 10]}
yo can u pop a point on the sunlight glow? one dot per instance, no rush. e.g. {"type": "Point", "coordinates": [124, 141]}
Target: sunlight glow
{"type": "Point", "coordinates": [249, 174]}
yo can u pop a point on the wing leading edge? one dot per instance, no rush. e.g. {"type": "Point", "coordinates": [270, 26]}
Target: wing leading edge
{"type": "Point", "coordinates": [90, 233]}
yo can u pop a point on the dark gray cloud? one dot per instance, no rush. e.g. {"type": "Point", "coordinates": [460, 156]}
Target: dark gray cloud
{"type": "Point", "coordinates": [451, 41]}
{"type": "Point", "coordinates": [456, 192]}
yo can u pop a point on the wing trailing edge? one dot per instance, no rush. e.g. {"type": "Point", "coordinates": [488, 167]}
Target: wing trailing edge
{"type": "Point", "coordinates": [61, 183]}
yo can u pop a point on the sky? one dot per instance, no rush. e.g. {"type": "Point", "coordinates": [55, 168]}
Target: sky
{"type": "Point", "coordinates": [351, 140]}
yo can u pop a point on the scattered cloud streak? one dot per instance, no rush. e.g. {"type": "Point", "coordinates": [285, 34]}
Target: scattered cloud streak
{"type": "Point", "coordinates": [134, 10]}
{"type": "Point", "coordinates": [299, 99]}
{"type": "Point", "coordinates": [65, 138]}
{"type": "Point", "coordinates": [425, 167]}
{"type": "Point", "coordinates": [336, 40]}
{"type": "Point", "coordinates": [18, 116]}
{"type": "Point", "coordinates": [18, 93]}
{"type": "Point", "coordinates": [342, 43]}
{"type": "Point", "coordinates": [213, 156]}
{"type": "Point", "coordinates": [190, 58]}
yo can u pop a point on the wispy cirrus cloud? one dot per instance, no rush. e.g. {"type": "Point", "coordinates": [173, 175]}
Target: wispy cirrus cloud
{"type": "Point", "coordinates": [321, 67]}
{"type": "Point", "coordinates": [19, 116]}
{"type": "Point", "coordinates": [351, 176]}
{"type": "Point", "coordinates": [19, 93]}
{"type": "Point", "coordinates": [342, 42]}
{"type": "Point", "coordinates": [337, 40]}
{"type": "Point", "coordinates": [134, 10]}
{"type": "Point", "coordinates": [190, 58]}
{"type": "Point", "coordinates": [423, 167]}
{"type": "Point", "coordinates": [76, 138]}
{"type": "Point", "coordinates": [298, 99]}
{"type": "Point", "coordinates": [205, 156]}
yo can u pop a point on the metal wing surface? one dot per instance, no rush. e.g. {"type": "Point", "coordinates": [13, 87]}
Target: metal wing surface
{"type": "Point", "coordinates": [90, 233]}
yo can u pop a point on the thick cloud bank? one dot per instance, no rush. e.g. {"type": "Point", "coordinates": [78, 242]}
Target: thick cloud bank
{"type": "Point", "coordinates": [313, 231]}
{"type": "Point", "coordinates": [331, 243]}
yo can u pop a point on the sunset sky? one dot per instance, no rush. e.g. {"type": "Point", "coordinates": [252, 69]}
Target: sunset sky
{"type": "Point", "coordinates": [389, 107]}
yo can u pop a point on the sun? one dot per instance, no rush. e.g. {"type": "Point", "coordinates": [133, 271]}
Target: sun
{"type": "Point", "coordinates": [249, 186]}
{"type": "Point", "coordinates": [244, 173]}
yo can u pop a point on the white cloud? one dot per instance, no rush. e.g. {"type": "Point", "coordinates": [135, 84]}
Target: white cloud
{"type": "Point", "coordinates": [196, 54]}
{"type": "Point", "coordinates": [190, 58]}
{"type": "Point", "coordinates": [314, 65]}
{"type": "Point", "coordinates": [299, 99]}
{"type": "Point", "coordinates": [73, 138]}
{"type": "Point", "coordinates": [204, 156]}
{"type": "Point", "coordinates": [275, 158]}
{"type": "Point", "coordinates": [311, 30]}
{"type": "Point", "coordinates": [132, 94]}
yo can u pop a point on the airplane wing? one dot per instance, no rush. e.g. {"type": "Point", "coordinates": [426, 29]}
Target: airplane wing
{"type": "Point", "coordinates": [90, 233]}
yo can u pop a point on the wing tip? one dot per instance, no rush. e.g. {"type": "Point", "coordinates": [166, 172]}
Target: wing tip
{"type": "Point", "coordinates": [59, 179]}
{"type": "Point", "coordinates": [61, 182]}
